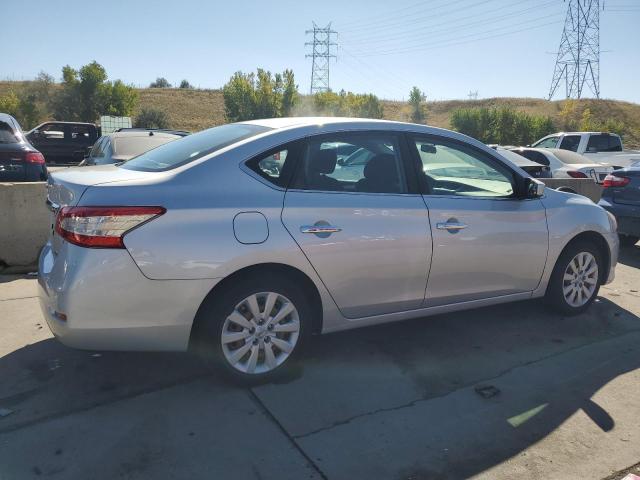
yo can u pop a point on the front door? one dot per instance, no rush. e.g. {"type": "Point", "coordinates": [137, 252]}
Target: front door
{"type": "Point", "coordinates": [356, 220]}
{"type": "Point", "coordinates": [487, 242]}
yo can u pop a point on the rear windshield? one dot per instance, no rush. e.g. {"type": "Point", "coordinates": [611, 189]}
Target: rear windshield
{"type": "Point", "coordinates": [134, 146]}
{"type": "Point", "coordinates": [193, 147]}
{"type": "Point", "coordinates": [604, 143]}
{"type": "Point", "coordinates": [7, 134]}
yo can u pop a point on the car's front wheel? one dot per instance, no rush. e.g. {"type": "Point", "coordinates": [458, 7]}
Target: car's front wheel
{"type": "Point", "coordinates": [255, 329]}
{"type": "Point", "coordinates": [575, 280]}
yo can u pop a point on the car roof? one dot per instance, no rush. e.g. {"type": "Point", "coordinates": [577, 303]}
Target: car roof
{"type": "Point", "coordinates": [6, 117]}
{"type": "Point", "coordinates": [286, 122]}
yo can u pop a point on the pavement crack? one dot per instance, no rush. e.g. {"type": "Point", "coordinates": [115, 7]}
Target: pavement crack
{"type": "Point", "coordinates": [284, 431]}
{"type": "Point", "coordinates": [17, 298]}
{"type": "Point", "coordinates": [413, 403]}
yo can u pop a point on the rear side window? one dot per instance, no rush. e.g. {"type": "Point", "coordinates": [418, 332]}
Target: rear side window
{"type": "Point", "coordinates": [277, 166]}
{"type": "Point", "coordinates": [534, 156]}
{"type": "Point", "coordinates": [80, 133]}
{"type": "Point", "coordinates": [604, 143]}
{"type": "Point", "coordinates": [7, 133]}
{"type": "Point", "coordinates": [570, 142]}
{"type": "Point", "coordinates": [193, 147]}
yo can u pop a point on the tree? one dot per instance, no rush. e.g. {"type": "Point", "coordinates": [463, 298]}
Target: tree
{"type": "Point", "coordinates": [347, 104]}
{"type": "Point", "coordinates": [86, 94]}
{"type": "Point", "coordinates": [260, 95]}
{"type": "Point", "coordinates": [502, 125]}
{"type": "Point", "coordinates": [10, 103]}
{"type": "Point", "coordinates": [185, 84]}
{"type": "Point", "coordinates": [151, 118]}
{"type": "Point", "coordinates": [416, 101]}
{"type": "Point", "coordinates": [160, 82]}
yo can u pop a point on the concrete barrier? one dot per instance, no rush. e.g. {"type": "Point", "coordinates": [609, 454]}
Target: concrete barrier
{"type": "Point", "coordinates": [24, 222]}
{"type": "Point", "coordinates": [583, 186]}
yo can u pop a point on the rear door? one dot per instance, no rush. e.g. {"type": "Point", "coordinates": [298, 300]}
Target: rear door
{"type": "Point", "coordinates": [364, 227]}
{"type": "Point", "coordinates": [486, 242]}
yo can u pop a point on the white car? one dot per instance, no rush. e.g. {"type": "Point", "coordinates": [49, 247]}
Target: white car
{"type": "Point", "coordinates": [566, 164]}
{"type": "Point", "coordinates": [599, 147]}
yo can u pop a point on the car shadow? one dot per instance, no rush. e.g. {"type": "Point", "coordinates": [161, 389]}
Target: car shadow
{"type": "Point", "coordinates": [630, 256]}
{"type": "Point", "coordinates": [529, 356]}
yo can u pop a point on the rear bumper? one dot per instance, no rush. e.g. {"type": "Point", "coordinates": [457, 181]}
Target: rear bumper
{"type": "Point", "coordinates": [110, 305]}
{"type": "Point", "coordinates": [627, 216]}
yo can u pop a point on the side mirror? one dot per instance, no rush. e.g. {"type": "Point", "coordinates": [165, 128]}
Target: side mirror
{"type": "Point", "coordinates": [428, 148]}
{"type": "Point", "coordinates": [341, 162]}
{"type": "Point", "coordinates": [533, 188]}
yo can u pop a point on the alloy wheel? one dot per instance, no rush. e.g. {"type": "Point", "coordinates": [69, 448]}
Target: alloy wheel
{"type": "Point", "coordinates": [580, 279]}
{"type": "Point", "coordinates": [260, 333]}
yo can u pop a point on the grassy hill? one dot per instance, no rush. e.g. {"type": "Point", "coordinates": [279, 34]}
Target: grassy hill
{"type": "Point", "coordinates": [195, 110]}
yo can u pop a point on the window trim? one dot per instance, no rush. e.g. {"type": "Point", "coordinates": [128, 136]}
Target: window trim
{"type": "Point", "coordinates": [250, 166]}
{"type": "Point", "coordinates": [410, 182]}
{"type": "Point", "coordinates": [517, 178]}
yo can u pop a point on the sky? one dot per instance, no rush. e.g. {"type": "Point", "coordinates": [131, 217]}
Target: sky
{"type": "Point", "coordinates": [448, 48]}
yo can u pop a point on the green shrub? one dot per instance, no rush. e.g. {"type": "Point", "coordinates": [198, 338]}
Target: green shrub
{"type": "Point", "coordinates": [151, 118]}
{"type": "Point", "coordinates": [504, 126]}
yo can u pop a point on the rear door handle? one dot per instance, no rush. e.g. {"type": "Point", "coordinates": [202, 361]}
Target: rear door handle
{"type": "Point", "coordinates": [319, 229]}
{"type": "Point", "coordinates": [451, 226]}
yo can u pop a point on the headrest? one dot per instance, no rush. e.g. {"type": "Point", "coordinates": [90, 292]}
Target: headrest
{"type": "Point", "coordinates": [324, 161]}
{"type": "Point", "coordinates": [381, 166]}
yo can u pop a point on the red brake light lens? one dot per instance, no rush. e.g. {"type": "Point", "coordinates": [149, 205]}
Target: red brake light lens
{"type": "Point", "coordinates": [34, 157]}
{"type": "Point", "coordinates": [576, 174]}
{"type": "Point", "coordinates": [614, 181]}
{"type": "Point", "coordinates": [102, 227]}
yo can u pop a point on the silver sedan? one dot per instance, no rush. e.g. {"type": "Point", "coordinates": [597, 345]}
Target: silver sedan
{"type": "Point", "coordinates": [242, 240]}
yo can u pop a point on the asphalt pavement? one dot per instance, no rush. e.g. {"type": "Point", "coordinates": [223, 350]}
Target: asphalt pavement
{"type": "Point", "coordinates": [511, 391]}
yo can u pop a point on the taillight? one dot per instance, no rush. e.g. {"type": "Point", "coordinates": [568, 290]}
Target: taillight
{"type": "Point", "coordinates": [101, 227]}
{"type": "Point", "coordinates": [34, 157]}
{"type": "Point", "coordinates": [576, 174]}
{"type": "Point", "coordinates": [613, 181]}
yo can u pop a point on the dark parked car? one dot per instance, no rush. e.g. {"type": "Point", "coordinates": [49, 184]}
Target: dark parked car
{"type": "Point", "coordinates": [621, 197]}
{"type": "Point", "coordinates": [63, 142]}
{"type": "Point", "coordinates": [19, 160]}
{"type": "Point", "coordinates": [534, 168]}
{"type": "Point", "coordinates": [126, 144]}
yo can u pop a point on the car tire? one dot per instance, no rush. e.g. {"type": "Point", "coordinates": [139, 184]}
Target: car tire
{"type": "Point", "coordinates": [574, 283]}
{"type": "Point", "coordinates": [628, 240]}
{"type": "Point", "coordinates": [227, 327]}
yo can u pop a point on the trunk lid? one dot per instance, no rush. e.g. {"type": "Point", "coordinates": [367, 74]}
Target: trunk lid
{"type": "Point", "coordinates": [12, 165]}
{"type": "Point", "coordinates": [66, 187]}
{"type": "Point", "coordinates": [630, 193]}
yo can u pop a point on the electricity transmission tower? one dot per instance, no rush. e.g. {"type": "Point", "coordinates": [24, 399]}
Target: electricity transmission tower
{"type": "Point", "coordinates": [321, 55]}
{"type": "Point", "coordinates": [473, 95]}
{"type": "Point", "coordinates": [578, 60]}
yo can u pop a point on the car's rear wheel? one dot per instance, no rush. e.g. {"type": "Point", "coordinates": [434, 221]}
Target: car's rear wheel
{"type": "Point", "coordinates": [628, 240]}
{"type": "Point", "coordinates": [575, 280]}
{"type": "Point", "coordinates": [255, 329]}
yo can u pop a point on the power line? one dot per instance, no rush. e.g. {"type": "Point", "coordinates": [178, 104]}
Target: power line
{"type": "Point", "coordinates": [321, 56]}
{"type": "Point", "coordinates": [446, 27]}
{"type": "Point", "coordinates": [473, 37]}
{"type": "Point", "coordinates": [578, 59]}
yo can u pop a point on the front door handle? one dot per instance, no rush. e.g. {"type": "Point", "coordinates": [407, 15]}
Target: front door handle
{"type": "Point", "coordinates": [319, 229]}
{"type": "Point", "coordinates": [451, 226]}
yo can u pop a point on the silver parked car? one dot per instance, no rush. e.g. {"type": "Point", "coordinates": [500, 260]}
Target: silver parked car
{"type": "Point", "coordinates": [244, 239]}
